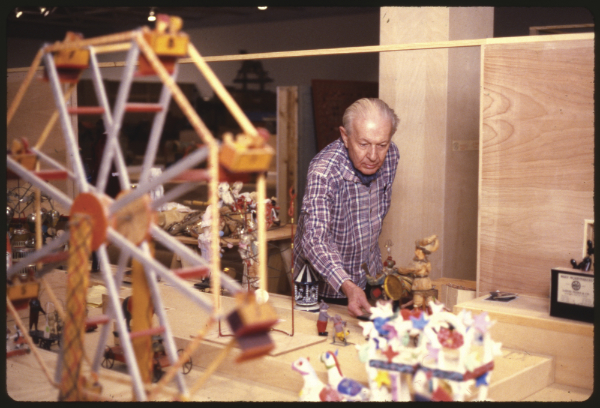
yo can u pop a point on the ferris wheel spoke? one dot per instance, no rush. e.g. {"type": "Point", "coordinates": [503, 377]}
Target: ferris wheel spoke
{"type": "Point", "coordinates": [124, 338]}
{"type": "Point", "coordinates": [52, 162]}
{"type": "Point", "coordinates": [114, 127]}
{"type": "Point", "coordinates": [159, 309]}
{"type": "Point", "coordinates": [122, 172]}
{"type": "Point", "coordinates": [70, 140]}
{"type": "Point", "coordinates": [159, 268]}
{"type": "Point", "coordinates": [172, 194]}
{"type": "Point", "coordinates": [121, 264]}
{"type": "Point", "coordinates": [31, 178]}
{"type": "Point", "coordinates": [157, 127]}
{"type": "Point", "coordinates": [190, 256]}
{"type": "Point", "coordinates": [36, 256]}
{"type": "Point", "coordinates": [189, 161]}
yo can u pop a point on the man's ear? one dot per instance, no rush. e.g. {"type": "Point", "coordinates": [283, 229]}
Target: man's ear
{"type": "Point", "coordinates": [344, 136]}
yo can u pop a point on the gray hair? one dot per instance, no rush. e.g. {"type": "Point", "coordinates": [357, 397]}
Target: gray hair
{"type": "Point", "coordinates": [365, 107]}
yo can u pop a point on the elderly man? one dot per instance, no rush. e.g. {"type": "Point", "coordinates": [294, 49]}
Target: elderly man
{"type": "Point", "coordinates": [348, 194]}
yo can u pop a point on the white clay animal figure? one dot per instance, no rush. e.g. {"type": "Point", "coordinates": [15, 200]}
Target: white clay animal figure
{"type": "Point", "coordinates": [314, 389]}
{"type": "Point", "coordinates": [350, 389]}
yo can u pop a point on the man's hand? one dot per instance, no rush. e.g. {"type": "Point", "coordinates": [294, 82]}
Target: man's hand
{"type": "Point", "coordinates": [357, 300]}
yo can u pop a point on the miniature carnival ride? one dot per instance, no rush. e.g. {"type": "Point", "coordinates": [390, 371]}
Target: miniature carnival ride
{"type": "Point", "coordinates": [95, 219]}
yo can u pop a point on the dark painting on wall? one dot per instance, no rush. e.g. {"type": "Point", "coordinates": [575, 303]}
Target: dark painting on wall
{"type": "Point", "coordinates": [330, 100]}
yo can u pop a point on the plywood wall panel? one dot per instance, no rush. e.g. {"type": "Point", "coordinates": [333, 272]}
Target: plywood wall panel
{"type": "Point", "coordinates": [537, 164]}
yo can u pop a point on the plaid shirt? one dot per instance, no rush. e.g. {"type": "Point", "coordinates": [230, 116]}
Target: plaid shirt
{"type": "Point", "coordinates": [340, 219]}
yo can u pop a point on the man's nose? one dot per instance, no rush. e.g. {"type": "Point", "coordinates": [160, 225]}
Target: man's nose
{"type": "Point", "coordinates": [372, 153]}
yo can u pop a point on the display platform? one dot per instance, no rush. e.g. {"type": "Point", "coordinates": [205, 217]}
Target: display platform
{"type": "Point", "coordinates": [525, 324]}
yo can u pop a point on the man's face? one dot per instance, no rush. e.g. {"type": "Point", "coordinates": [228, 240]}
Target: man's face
{"type": "Point", "coordinates": [368, 143]}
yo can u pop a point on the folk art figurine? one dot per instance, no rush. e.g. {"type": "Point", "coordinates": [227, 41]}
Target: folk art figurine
{"type": "Point", "coordinates": [422, 292]}
{"type": "Point", "coordinates": [351, 390]}
{"type": "Point", "coordinates": [314, 390]}
{"type": "Point", "coordinates": [323, 319]}
{"type": "Point", "coordinates": [390, 283]}
{"type": "Point", "coordinates": [341, 333]}
{"type": "Point", "coordinates": [414, 355]}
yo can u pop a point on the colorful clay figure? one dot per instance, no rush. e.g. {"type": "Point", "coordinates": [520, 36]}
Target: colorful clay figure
{"type": "Point", "coordinates": [340, 333]}
{"type": "Point", "coordinates": [323, 319]}
{"type": "Point", "coordinates": [420, 356]}
{"type": "Point", "coordinates": [350, 389]}
{"type": "Point", "coordinates": [314, 389]}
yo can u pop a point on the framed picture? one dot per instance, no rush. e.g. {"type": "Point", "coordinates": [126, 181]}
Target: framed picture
{"type": "Point", "coordinates": [572, 294]}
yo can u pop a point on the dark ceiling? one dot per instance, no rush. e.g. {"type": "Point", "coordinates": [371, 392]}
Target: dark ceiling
{"type": "Point", "coordinates": [97, 21]}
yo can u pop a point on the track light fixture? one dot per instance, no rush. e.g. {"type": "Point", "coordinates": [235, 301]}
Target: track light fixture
{"type": "Point", "coordinates": [152, 16]}
{"type": "Point", "coordinates": [45, 11]}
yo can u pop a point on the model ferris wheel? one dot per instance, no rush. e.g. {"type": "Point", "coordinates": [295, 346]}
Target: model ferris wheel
{"type": "Point", "coordinates": [95, 219]}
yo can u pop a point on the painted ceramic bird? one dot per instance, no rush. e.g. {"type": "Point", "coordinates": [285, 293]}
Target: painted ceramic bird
{"type": "Point", "coordinates": [314, 389]}
{"type": "Point", "coordinates": [351, 390]}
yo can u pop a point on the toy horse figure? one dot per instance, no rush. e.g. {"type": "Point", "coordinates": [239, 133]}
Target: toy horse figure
{"type": "Point", "coordinates": [350, 389]}
{"type": "Point", "coordinates": [314, 389]}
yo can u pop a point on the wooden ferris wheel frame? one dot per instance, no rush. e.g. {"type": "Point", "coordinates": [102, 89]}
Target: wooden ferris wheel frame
{"type": "Point", "coordinates": [109, 216]}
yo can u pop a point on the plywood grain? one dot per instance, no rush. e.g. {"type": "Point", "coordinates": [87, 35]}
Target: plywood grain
{"type": "Point", "coordinates": [435, 93]}
{"type": "Point", "coordinates": [536, 161]}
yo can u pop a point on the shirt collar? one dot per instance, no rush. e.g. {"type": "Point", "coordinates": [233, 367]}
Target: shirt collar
{"type": "Point", "coordinates": [364, 178]}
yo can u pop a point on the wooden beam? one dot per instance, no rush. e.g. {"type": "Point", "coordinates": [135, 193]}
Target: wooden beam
{"type": "Point", "coordinates": [367, 49]}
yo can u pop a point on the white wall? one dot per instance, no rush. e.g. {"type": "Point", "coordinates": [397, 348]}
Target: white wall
{"type": "Point", "coordinates": [291, 35]}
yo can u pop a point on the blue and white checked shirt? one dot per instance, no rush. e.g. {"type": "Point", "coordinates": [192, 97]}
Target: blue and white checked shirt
{"type": "Point", "coordinates": [340, 219]}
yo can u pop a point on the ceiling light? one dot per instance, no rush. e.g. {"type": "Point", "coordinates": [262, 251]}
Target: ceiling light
{"type": "Point", "coordinates": [262, 7]}
{"type": "Point", "coordinates": [151, 16]}
{"type": "Point", "coordinates": [18, 13]}
{"type": "Point", "coordinates": [42, 9]}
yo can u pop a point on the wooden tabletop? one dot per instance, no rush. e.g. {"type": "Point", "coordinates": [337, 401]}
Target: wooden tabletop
{"type": "Point", "coordinates": [269, 378]}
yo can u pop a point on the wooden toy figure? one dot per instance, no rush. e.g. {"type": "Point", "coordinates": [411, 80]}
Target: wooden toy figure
{"type": "Point", "coordinates": [35, 308]}
{"type": "Point", "coordinates": [421, 287]}
{"type": "Point", "coordinates": [340, 333]}
{"type": "Point", "coordinates": [323, 319]}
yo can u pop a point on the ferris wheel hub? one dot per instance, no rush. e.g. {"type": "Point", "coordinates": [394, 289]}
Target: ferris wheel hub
{"type": "Point", "coordinates": [96, 207]}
